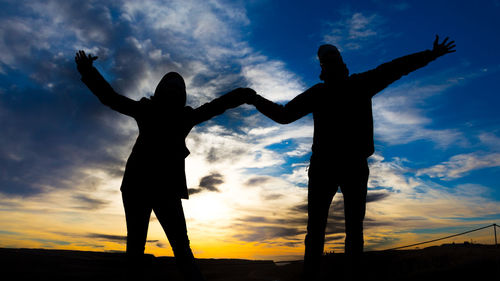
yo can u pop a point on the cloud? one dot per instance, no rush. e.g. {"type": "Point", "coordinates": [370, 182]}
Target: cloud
{"type": "Point", "coordinates": [270, 78]}
{"type": "Point", "coordinates": [161, 245]}
{"type": "Point", "coordinates": [400, 115]}
{"type": "Point", "coordinates": [115, 238]}
{"type": "Point", "coordinates": [376, 196]}
{"type": "Point", "coordinates": [65, 129]}
{"type": "Point", "coordinates": [355, 30]}
{"type": "Point", "coordinates": [460, 165]}
{"type": "Point", "coordinates": [89, 203]}
{"type": "Point", "coordinates": [267, 229]}
{"type": "Point", "coordinates": [258, 180]}
{"type": "Point", "coordinates": [410, 197]}
{"type": "Point", "coordinates": [108, 237]}
{"type": "Point", "coordinates": [490, 140]}
{"type": "Point", "coordinates": [272, 196]}
{"type": "Point", "coordinates": [403, 112]}
{"type": "Point", "coordinates": [268, 233]}
{"type": "Point", "coordinates": [211, 181]}
{"type": "Point", "coordinates": [208, 183]}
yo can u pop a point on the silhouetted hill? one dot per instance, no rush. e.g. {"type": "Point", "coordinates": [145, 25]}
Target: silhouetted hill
{"type": "Point", "coordinates": [446, 262]}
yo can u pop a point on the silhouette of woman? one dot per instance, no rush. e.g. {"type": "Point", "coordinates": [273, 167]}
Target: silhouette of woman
{"type": "Point", "coordinates": [154, 178]}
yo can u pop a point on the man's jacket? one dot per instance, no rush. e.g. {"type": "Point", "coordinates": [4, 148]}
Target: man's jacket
{"type": "Point", "coordinates": [342, 111]}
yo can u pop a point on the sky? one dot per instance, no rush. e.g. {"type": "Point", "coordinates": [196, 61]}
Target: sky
{"type": "Point", "coordinates": [62, 154]}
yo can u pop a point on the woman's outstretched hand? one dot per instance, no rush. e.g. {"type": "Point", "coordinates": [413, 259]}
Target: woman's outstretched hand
{"type": "Point", "coordinates": [84, 62]}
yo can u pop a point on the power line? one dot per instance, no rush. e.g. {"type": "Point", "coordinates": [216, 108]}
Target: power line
{"type": "Point", "coordinates": [454, 235]}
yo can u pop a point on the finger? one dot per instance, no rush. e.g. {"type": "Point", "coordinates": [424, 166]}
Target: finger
{"type": "Point", "coordinates": [450, 47]}
{"type": "Point", "coordinates": [450, 43]}
{"type": "Point", "coordinates": [436, 40]}
{"type": "Point", "coordinates": [444, 41]}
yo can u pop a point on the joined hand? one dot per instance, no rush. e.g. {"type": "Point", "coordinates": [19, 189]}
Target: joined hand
{"type": "Point", "coordinates": [243, 95]}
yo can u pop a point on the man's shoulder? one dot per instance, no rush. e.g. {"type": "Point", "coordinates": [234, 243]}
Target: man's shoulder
{"type": "Point", "coordinates": [145, 101]}
{"type": "Point", "coordinates": [316, 88]}
{"type": "Point", "coordinates": [356, 76]}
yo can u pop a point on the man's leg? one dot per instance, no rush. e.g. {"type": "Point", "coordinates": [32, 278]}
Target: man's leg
{"type": "Point", "coordinates": [170, 214]}
{"type": "Point", "coordinates": [320, 194]}
{"type": "Point", "coordinates": [137, 214]}
{"type": "Point", "coordinates": [354, 190]}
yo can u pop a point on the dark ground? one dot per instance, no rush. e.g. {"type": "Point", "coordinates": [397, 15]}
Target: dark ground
{"type": "Point", "coordinates": [447, 262]}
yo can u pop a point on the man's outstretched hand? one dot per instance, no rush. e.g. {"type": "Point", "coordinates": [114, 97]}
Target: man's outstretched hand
{"type": "Point", "coordinates": [443, 48]}
{"type": "Point", "coordinates": [84, 62]}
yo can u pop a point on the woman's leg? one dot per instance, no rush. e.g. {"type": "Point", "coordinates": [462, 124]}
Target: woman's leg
{"type": "Point", "coordinates": [137, 214]}
{"type": "Point", "coordinates": [170, 214]}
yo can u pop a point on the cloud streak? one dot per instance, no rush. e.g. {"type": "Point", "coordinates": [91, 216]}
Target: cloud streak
{"type": "Point", "coordinates": [208, 183]}
{"type": "Point", "coordinates": [355, 30]}
{"type": "Point", "coordinates": [460, 165]}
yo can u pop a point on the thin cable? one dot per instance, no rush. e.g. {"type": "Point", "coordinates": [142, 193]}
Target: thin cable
{"type": "Point", "coordinates": [454, 235]}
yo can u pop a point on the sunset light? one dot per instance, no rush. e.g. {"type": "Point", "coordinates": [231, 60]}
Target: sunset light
{"type": "Point", "coordinates": [435, 170]}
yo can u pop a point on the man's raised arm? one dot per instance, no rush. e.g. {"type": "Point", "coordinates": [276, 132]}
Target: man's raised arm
{"type": "Point", "coordinates": [379, 78]}
{"type": "Point", "coordinates": [295, 109]}
{"type": "Point", "coordinates": [100, 87]}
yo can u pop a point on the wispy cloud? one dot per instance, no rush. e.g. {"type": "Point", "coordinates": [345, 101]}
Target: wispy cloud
{"type": "Point", "coordinates": [460, 165]}
{"type": "Point", "coordinates": [208, 183]}
{"type": "Point", "coordinates": [413, 195]}
{"type": "Point", "coordinates": [355, 30]}
{"type": "Point", "coordinates": [400, 113]}
{"type": "Point", "coordinates": [271, 79]}
{"type": "Point", "coordinates": [90, 203]}
{"type": "Point", "coordinates": [490, 140]}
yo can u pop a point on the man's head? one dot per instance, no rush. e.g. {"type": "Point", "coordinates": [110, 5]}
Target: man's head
{"type": "Point", "coordinates": [332, 66]}
{"type": "Point", "coordinates": [171, 90]}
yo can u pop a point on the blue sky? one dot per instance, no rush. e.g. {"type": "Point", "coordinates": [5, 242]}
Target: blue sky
{"type": "Point", "coordinates": [62, 153]}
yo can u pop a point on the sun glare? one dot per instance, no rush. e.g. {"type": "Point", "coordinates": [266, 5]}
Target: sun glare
{"type": "Point", "coordinates": [206, 208]}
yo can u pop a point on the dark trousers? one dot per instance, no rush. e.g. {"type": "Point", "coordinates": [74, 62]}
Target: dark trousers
{"type": "Point", "coordinates": [324, 179]}
{"type": "Point", "coordinates": [170, 214]}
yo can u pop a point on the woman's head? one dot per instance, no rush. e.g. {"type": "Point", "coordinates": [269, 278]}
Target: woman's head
{"type": "Point", "coordinates": [171, 90]}
{"type": "Point", "coordinates": [332, 66]}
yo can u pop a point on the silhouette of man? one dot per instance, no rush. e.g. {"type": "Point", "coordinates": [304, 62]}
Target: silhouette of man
{"type": "Point", "coordinates": [342, 141]}
{"type": "Point", "coordinates": [154, 178]}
